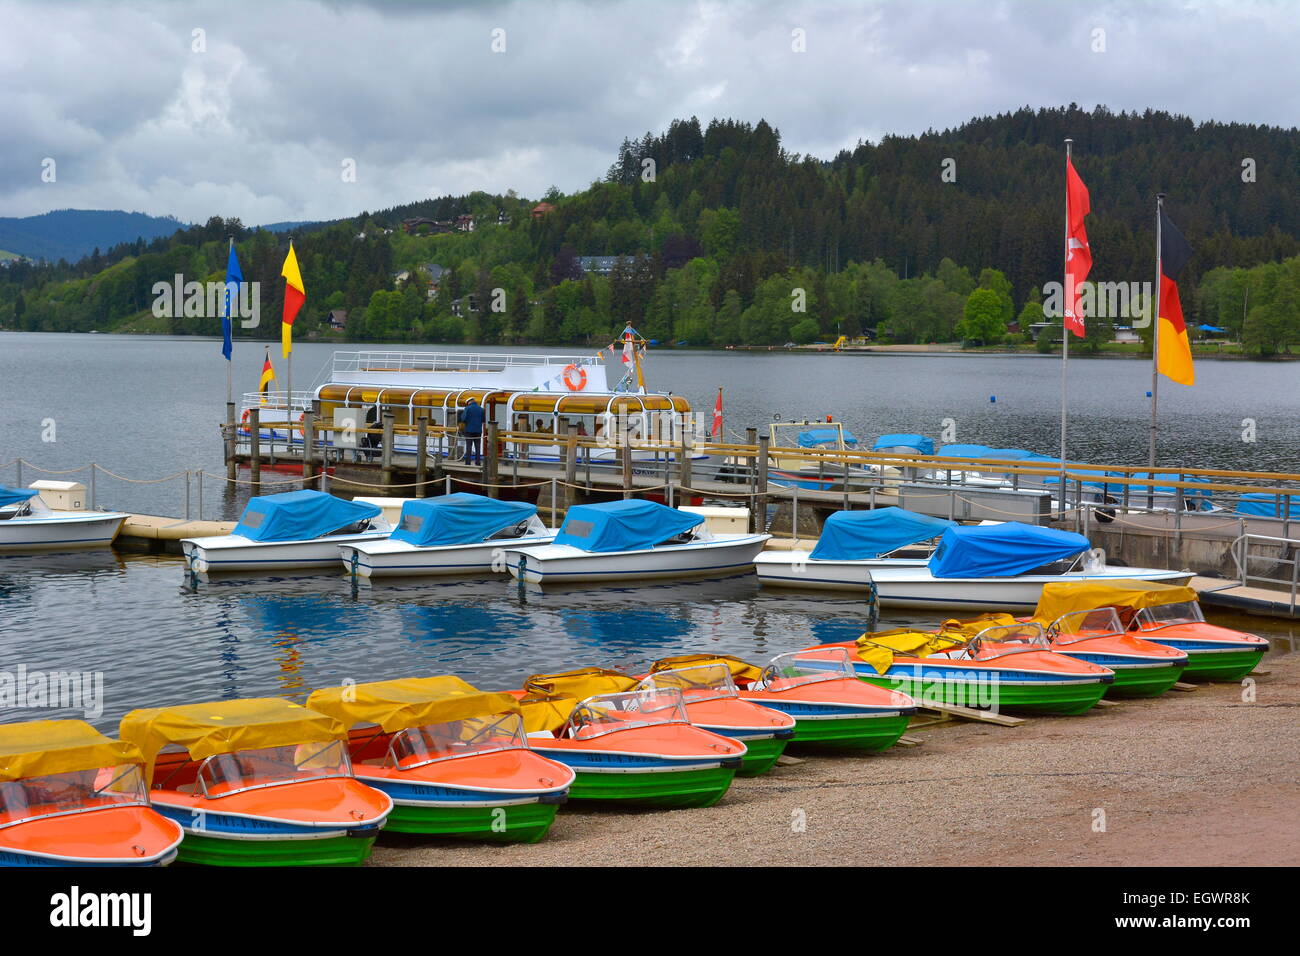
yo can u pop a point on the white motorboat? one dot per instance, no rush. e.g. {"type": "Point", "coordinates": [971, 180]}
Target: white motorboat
{"type": "Point", "coordinates": [451, 534]}
{"type": "Point", "coordinates": [28, 524]}
{"type": "Point", "coordinates": [633, 540]}
{"type": "Point", "coordinates": [290, 531]}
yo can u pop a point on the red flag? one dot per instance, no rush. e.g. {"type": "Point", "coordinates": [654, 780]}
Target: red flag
{"type": "Point", "coordinates": [717, 416]}
{"type": "Point", "coordinates": [1078, 257]}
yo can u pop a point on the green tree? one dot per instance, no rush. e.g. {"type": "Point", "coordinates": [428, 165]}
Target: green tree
{"type": "Point", "coordinates": [982, 318]}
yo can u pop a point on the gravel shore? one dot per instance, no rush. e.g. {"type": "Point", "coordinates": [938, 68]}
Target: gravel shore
{"type": "Point", "coordinates": [1199, 778]}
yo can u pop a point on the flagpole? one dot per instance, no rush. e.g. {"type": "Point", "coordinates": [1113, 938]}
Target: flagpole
{"type": "Point", "coordinates": [230, 387]}
{"type": "Point", "coordinates": [1066, 304]}
{"type": "Point", "coordinates": [1155, 341]}
{"type": "Point", "coordinates": [288, 434]}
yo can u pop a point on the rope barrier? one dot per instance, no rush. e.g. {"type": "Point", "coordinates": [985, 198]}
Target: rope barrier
{"type": "Point", "coordinates": [47, 471]}
{"type": "Point", "coordinates": [139, 481]}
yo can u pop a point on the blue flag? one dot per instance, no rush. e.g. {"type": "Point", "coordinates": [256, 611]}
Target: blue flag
{"type": "Point", "coordinates": [233, 278]}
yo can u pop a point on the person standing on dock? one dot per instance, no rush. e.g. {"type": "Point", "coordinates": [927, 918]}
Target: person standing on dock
{"type": "Point", "coordinates": [471, 419]}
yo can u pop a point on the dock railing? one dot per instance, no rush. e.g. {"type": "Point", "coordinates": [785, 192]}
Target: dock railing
{"type": "Point", "coordinates": [1243, 554]}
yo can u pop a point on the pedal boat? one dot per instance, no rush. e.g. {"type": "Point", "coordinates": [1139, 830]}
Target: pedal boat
{"type": "Point", "coordinates": [451, 534]}
{"type": "Point", "coordinates": [633, 540]}
{"type": "Point", "coordinates": [294, 530]}
{"type": "Point", "coordinates": [712, 703]}
{"type": "Point", "coordinates": [831, 707]}
{"type": "Point", "coordinates": [27, 524]}
{"type": "Point", "coordinates": [257, 782]}
{"type": "Point", "coordinates": [1000, 668]}
{"type": "Point", "coordinates": [69, 796]}
{"type": "Point", "coordinates": [1170, 616]}
{"type": "Point", "coordinates": [999, 567]}
{"type": "Point", "coordinates": [631, 748]}
{"type": "Point", "coordinates": [453, 759]}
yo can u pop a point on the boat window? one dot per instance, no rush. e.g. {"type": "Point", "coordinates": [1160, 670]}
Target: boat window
{"type": "Point", "coordinates": [357, 527]}
{"type": "Point", "coordinates": [514, 531]}
{"type": "Point", "coordinates": [1151, 618]}
{"type": "Point", "coordinates": [417, 746]}
{"type": "Point", "coordinates": [807, 667]}
{"type": "Point", "coordinates": [607, 713]}
{"type": "Point", "coordinates": [701, 682]}
{"type": "Point", "coordinates": [57, 793]}
{"type": "Point", "coordinates": [223, 774]}
{"type": "Point", "coordinates": [1009, 639]}
{"type": "Point", "coordinates": [1081, 624]}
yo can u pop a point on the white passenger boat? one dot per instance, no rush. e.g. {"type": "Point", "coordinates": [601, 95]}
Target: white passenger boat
{"type": "Point", "coordinates": [633, 540]}
{"type": "Point", "coordinates": [27, 524]}
{"type": "Point", "coordinates": [289, 531]}
{"type": "Point", "coordinates": [451, 534]}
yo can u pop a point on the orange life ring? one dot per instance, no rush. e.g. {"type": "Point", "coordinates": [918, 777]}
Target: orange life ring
{"type": "Point", "coordinates": [569, 382]}
{"type": "Point", "coordinates": [244, 419]}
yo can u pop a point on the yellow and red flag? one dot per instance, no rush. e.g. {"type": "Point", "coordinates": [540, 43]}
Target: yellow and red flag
{"type": "Point", "coordinates": [294, 296]}
{"type": "Point", "coordinates": [268, 376]}
{"type": "Point", "coordinates": [1174, 356]}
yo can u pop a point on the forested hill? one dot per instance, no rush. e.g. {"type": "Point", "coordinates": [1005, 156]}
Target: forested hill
{"type": "Point", "coordinates": [72, 234]}
{"type": "Point", "coordinates": [717, 225]}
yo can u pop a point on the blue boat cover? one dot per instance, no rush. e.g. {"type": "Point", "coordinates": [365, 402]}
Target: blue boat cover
{"type": "Point", "coordinates": [1268, 506]}
{"type": "Point", "coordinates": [629, 525]}
{"type": "Point", "coordinates": [1001, 550]}
{"type": "Point", "coordinates": [14, 496]}
{"type": "Point", "coordinates": [1009, 454]}
{"type": "Point", "coordinates": [1189, 494]}
{"type": "Point", "coordinates": [458, 519]}
{"type": "Point", "coordinates": [921, 444]}
{"type": "Point", "coordinates": [965, 451]}
{"type": "Point", "coordinates": [820, 436]}
{"type": "Point", "coordinates": [851, 535]}
{"type": "Point", "coordinates": [1094, 484]}
{"type": "Point", "coordinates": [299, 516]}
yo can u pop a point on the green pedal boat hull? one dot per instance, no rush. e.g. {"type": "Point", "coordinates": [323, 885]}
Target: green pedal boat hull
{"type": "Point", "coordinates": [668, 789]}
{"type": "Point", "coordinates": [761, 756]}
{"type": "Point", "coordinates": [1221, 665]}
{"type": "Point", "coordinates": [330, 851]}
{"type": "Point", "coordinates": [860, 734]}
{"type": "Point", "coordinates": [519, 823]}
{"type": "Point", "coordinates": [1075, 697]}
{"type": "Point", "coordinates": [1142, 681]}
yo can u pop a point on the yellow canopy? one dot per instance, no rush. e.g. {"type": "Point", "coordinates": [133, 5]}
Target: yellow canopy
{"type": "Point", "coordinates": [740, 670]}
{"type": "Point", "coordinates": [586, 682]}
{"type": "Point", "coordinates": [38, 748]}
{"type": "Point", "coordinates": [546, 713]}
{"type": "Point", "coordinates": [965, 630]}
{"type": "Point", "coordinates": [227, 726]}
{"type": "Point", "coordinates": [1068, 597]}
{"type": "Point", "coordinates": [410, 702]}
{"type": "Point", "coordinates": [879, 648]}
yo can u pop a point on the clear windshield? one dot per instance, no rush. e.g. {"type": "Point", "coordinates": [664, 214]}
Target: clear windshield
{"type": "Point", "coordinates": [635, 708]}
{"type": "Point", "coordinates": [1009, 639]}
{"type": "Point", "coordinates": [34, 797]}
{"type": "Point", "coordinates": [417, 746]}
{"type": "Point", "coordinates": [696, 683]}
{"type": "Point", "coordinates": [1080, 624]}
{"type": "Point", "coordinates": [807, 667]}
{"type": "Point", "coordinates": [224, 774]}
{"type": "Point", "coordinates": [1188, 612]}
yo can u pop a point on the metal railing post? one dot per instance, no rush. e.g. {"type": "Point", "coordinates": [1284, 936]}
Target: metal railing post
{"type": "Point", "coordinates": [554, 490]}
{"type": "Point", "coordinates": [187, 494]}
{"type": "Point", "coordinates": [794, 511]}
{"type": "Point", "coordinates": [200, 494]}
{"type": "Point", "coordinates": [93, 469]}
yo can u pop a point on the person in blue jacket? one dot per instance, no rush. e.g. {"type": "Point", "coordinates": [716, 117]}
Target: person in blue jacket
{"type": "Point", "coordinates": [471, 418]}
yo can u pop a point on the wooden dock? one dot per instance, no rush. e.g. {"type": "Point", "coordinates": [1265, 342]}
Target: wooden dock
{"type": "Point", "coordinates": [1232, 596]}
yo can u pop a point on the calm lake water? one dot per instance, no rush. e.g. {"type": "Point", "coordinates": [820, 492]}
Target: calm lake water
{"type": "Point", "coordinates": [146, 407]}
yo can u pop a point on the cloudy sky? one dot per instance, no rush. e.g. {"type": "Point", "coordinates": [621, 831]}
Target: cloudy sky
{"type": "Point", "coordinates": [252, 109]}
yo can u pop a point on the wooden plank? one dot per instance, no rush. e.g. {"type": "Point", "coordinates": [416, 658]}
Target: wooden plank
{"type": "Point", "coordinates": [1183, 686]}
{"type": "Point", "coordinates": [1259, 673]}
{"type": "Point", "coordinates": [785, 760]}
{"type": "Point", "coordinates": [971, 713]}
{"type": "Point", "coordinates": [1106, 703]}
{"type": "Point", "coordinates": [907, 740]}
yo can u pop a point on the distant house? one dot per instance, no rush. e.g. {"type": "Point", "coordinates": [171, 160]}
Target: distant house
{"type": "Point", "coordinates": [432, 226]}
{"type": "Point", "coordinates": [436, 274]}
{"type": "Point", "coordinates": [1126, 335]}
{"type": "Point", "coordinates": [1013, 327]}
{"type": "Point", "coordinates": [597, 265]}
{"type": "Point", "coordinates": [465, 305]}
{"type": "Point", "coordinates": [502, 218]}
{"type": "Point", "coordinates": [338, 320]}
{"type": "Point", "coordinates": [543, 209]}
{"type": "Point", "coordinates": [400, 277]}
{"type": "Point", "coordinates": [465, 223]}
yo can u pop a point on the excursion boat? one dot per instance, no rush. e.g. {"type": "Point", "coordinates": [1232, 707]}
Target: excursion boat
{"type": "Point", "coordinates": [1142, 668]}
{"type": "Point", "coordinates": [450, 534]}
{"type": "Point", "coordinates": [453, 759]}
{"type": "Point", "coordinates": [714, 703]}
{"type": "Point", "coordinates": [257, 782]}
{"type": "Point", "coordinates": [1166, 615]}
{"type": "Point", "coordinates": [69, 796]}
{"type": "Point", "coordinates": [831, 707]}
{"type": "Point", "coordinates": [27, 524]}
{"type": "Point", "coordinates": [294, 530]}
{"type": "Point", "coordinates": [999, 668]}
{"type": "Point", "coordinates": [628, 748]}
{"type": "Point", "coordinates": [999, 566]}
{"type": "Point", "coordinates": [852, 545]}
{"type": "Point", "coordinates": [633, 539]}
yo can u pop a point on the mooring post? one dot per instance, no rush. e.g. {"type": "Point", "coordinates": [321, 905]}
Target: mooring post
{"type": "Point", "coordinates": [93, 468]}
{"type": "Point", "coordinates": [386, 453]}
{"type": "Point", "coordinates": [187, 494]}
{"type": "Point", "coordinates": [684, 476]}
{"type": "Point", "coordinates": [554, 491]}
{"type": "Point", "coordinates": [760, 499]}
{"type": "Point", "coordinates": [308, 442]}
{"type": "Point", "coordinates": [794, 512]}
{"type": "Point", "coordinates": [625, 456]}
{"type": "Point", "coordinates": [421, 453]}
{"type": "Point", "coordinates": [19, 479]}
{"type": "Point", "coordinates": [231, 435]}
{"type": "Point", "coordinates": [490, 459]}
{"type": "Point", "coordinates": [255, 449]}
{"type": "Point", "coordinates": [200, 494]}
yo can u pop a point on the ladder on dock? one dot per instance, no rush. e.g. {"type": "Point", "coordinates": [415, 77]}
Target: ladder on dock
{"type": "Point", "coordinates": [1248, 552]}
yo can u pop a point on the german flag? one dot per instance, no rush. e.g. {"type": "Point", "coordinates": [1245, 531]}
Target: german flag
{"type": "Point", "coordinates": [295, 294]}
{"type": "Point", "coordinates": [1174, 358]}
{"type": "Point", "coordinates": [268, 376]}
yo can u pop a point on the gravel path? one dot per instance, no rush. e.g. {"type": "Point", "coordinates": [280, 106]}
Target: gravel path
{"type": "Point", "coordinates": [1198, 778]}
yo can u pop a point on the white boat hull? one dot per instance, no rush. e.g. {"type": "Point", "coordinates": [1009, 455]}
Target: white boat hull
{"type": "Point", "coordinates": [561, 564]}
{"type": "Point", "coordinates": [61, 531]}
{"type": "Point", "coordinates": [229, 552]}
{"type": "Point", "coordinates": [907, 582]}
{"type": "Point", "coordinates": [390, 558]}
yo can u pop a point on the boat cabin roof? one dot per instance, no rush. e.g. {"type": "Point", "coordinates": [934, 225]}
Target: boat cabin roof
{"type": "Point", "coordinates": [39, 748]}
{"type": "Point", "coordinates": [396, 705]}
